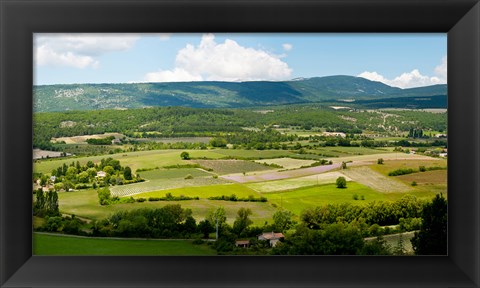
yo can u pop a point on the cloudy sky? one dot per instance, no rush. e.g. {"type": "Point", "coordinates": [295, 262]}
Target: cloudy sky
{"type": "Point", "coordinates": [401, 60]}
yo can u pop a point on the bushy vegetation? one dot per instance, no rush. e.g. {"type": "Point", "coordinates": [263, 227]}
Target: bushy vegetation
{"type": "Point", "coordinates": [169, 197]}
{"type": "Point", "coordinates": [66, 225]}
{"type": "Point", "coordinates": [234, 198]}
{"type": "Point", "coordinates": [170, 221]}
{"type": "Point", "coordinates": [46, 203]}
{"type": "Point", "coordinates": [381, 212]}
{"type": "Point", "coordinates": [101, 141]}
{"type": "Point", "coordinates": [432, 237]}
{"type": "Point", "coordinates": [405, 171]}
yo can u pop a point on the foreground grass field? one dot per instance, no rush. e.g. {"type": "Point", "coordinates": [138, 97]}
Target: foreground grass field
{"type": "Point", "coordinates": [44, 244]}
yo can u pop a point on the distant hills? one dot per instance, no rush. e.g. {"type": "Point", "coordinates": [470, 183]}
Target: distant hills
{"type": "Point", "coordinates": [216, 94]}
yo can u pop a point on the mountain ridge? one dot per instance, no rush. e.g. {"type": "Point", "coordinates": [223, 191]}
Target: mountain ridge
{"type": "Point", "coordinates": [218, 94]}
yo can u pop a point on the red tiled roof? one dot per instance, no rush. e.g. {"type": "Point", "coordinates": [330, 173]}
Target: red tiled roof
{"type": "Point", "coordinates": [271, 235]}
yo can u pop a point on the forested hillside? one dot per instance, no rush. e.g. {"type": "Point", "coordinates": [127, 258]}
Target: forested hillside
{"type": "Point", "coordinates": [212, 94]}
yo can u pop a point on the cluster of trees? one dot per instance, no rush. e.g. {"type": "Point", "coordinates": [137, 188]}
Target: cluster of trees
{"type": "Point", "coordinates": [100, 141]}
{"type": "Point", "coordinates": [432, 237]}
{"type": "Point", "coordinates": [80, 176]}
{"type": "Point", "coordinates": [67, 225]}
{"type": "Point", "coordinates": [46, 203]}
{"type": "Point", "coordinates": [415, 133]}
{"type": "Point", "coordinates": [405, 171]}
{"type": "Point", "coordinates": [226, 123]}
{"type": "Point", "coordinates": [262, 139]}
{"type": "Point", "coordinates": [333, 239]}
{"type": "Point", "coordinates": [347, 237]}
{"type": "Point", "coordinates": [234, 198]}
{"type": "Point", "coordinates": [170, 221]}
{"type": "Point", "coordinates": [381, 212]}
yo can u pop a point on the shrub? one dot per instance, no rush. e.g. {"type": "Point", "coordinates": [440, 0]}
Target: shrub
{"type": "Point", "coordinates": [414, 183]}
{"type": "Point", "coordinates": [380, 161]}
{"type": "Point", "coordinates": [422, 169]}
{"type": "Point", "coordinates": [402, 171]}
{"type": "Point", "coordinates": [341, 182]}
{"type": "Point", "coordinates": [355, 197]}
{"type": "Point", "coordinates": [185, 156]}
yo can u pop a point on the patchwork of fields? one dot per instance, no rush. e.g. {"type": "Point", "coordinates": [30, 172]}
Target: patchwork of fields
{"type": "Point", "coordinates": [295, 189]}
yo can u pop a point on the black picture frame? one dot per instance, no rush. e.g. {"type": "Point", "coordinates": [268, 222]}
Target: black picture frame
{"type": "Point", "coordinates": [21, 18]}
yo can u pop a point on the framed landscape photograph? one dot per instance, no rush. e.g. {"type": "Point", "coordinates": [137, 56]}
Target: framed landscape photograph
{"type": "Point", "coordinates": [167, 146]}
{"type": "Point", "coordinates": [244, 144]}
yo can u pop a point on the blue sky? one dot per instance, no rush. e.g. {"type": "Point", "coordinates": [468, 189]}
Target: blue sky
{"type": "Point", "coordinates": [401, 60]}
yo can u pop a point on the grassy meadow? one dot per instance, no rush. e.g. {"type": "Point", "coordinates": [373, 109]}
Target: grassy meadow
{"type": "Point", "coordinates": [62, 245]}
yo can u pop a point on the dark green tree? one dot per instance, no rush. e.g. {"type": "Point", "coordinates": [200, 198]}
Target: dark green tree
{"type": "Point", "coordinates": [127, 173]}
{"type": "Point", "coordinates": [242, 221]}
{"type": "Point", "coordinates": [206, 228]}
{"type": "Point", "coordinates": [432, 237]}
{"type": "Point", "coordinates": [184, 155]}
{"type": "Point", "coordinates": [283, 220]}
{"type": "Point", "coordinates": [341, 182]}
{"type": "Point", "coordinates": [104, 196]}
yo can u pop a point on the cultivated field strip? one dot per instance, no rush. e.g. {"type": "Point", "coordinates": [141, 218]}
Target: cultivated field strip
{"type": "Point", "coordinates": [375, 180]}
{"type": "Point", "coordinates": [163, 184]}
{"type": "Point", "coordinates": [268, 176]}
{"type": "Point", "coordinates": [294, 183]}
{"type": "Point", "coordinates": [287, 163]}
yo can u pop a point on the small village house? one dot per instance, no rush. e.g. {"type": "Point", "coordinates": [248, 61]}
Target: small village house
{"type": "Point", "coordinates": [242, 243]}
{"type": "Point", "coordinates": [101, 174]}
{"type": "Point", "coordinates": [272, 237]}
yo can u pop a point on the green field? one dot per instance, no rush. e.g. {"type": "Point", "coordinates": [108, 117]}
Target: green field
{"type": "Point", "coordinates": [390, 165]}
{"type": "Point", "coordinates": [163, 184]}
{"type": "Point", "coordinates": [44, 244]}
{"type": "Point", "coordinates": [339, 151]}
{"type": "Point", "coordinates": [294, 183]}
{"type": "Point", "coordinates": [204, 191]}
{"type": "Point", "coordinates": [136, 160]}
{"type": "Point", "coordinates": [85, 204]}
{"type": "Point", "coordinates": [300, 199]}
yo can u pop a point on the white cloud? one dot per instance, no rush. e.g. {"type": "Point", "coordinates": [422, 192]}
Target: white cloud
{"type": "Point", "coordinates": [78, 50]}
{"type": "Point", "coordinates": [46, 56]}
{"type": "Point", "coordinates": [177, 75]}
{"type": "Point", "coordinates": [227, 61]}
{"type": "Point", "coordinates": [287, 46]}
{"type": "Point", "coordinates": [441, 70]}
{"type": "Point", "coordinates": [411, 79]}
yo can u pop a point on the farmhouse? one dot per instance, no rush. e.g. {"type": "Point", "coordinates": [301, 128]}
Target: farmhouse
{"type": "Point", "coordinates": [116, 141]}
{"type": "Point", "coordinates": [272, 237]}
{"type": "Point", "coordinates": [101, 174]}
{"type": "Point", "coordinates": [242, 243]}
